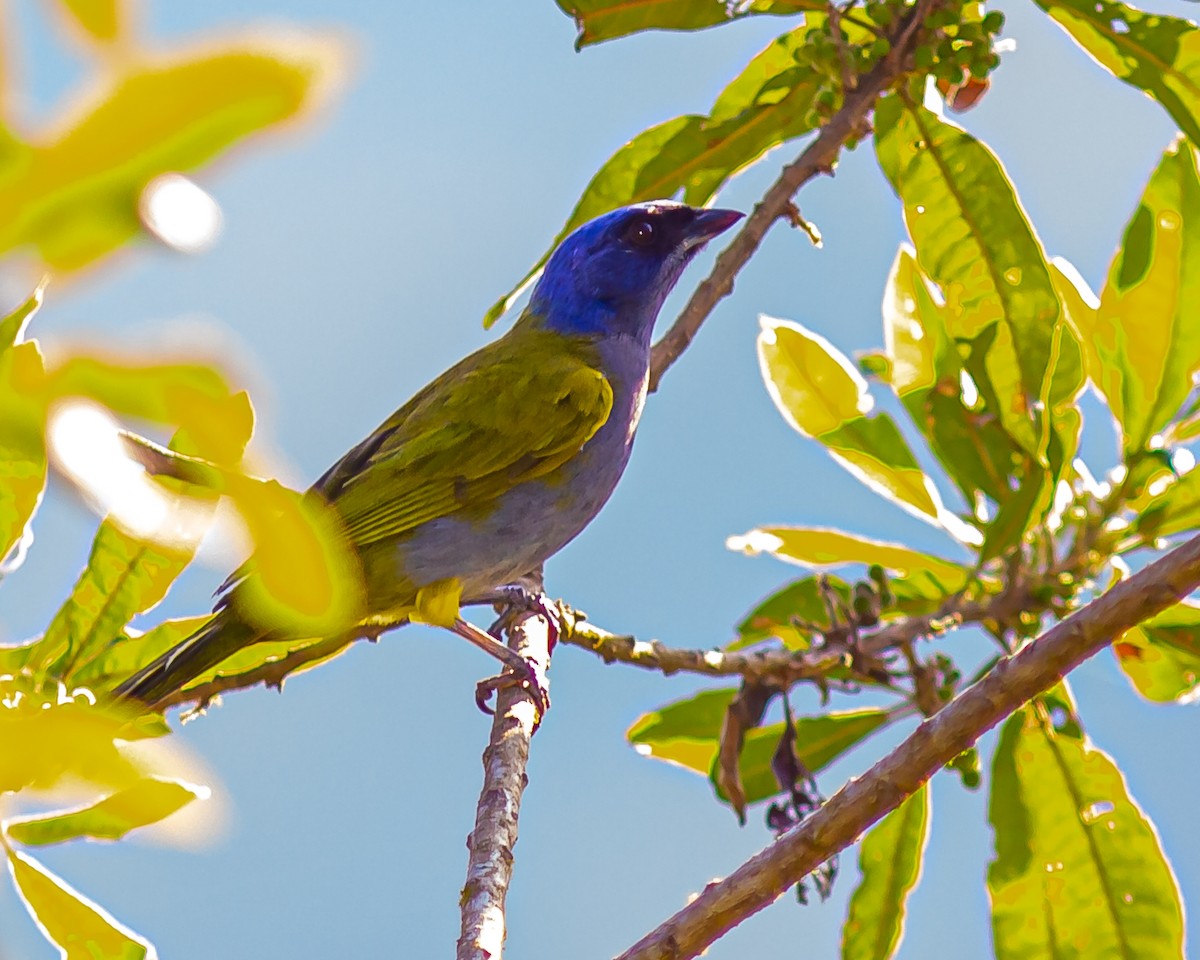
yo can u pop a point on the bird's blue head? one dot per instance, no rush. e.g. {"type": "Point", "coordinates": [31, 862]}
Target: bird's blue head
{"type": "Point", "coordinates": [611, 276]}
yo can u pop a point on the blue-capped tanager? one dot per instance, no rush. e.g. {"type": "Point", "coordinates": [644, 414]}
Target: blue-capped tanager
{"type": "Point", "coordinates": [503, 459]}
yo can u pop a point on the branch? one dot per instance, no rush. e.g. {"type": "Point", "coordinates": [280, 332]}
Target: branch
{"type": "Point", "coordinates": [818, 157]}
{"type": "Point", "coordinates": [490, 864]}
{"type": "Point", "coordinates": [863, 801]}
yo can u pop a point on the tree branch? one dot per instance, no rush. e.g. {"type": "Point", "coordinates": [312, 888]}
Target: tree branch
{"type": "Point", "coordinates": [938, 740]}
{"type": "Point", "coordinates": [490, 864]}
{"type": "Point", "coordinates": [818, 157]}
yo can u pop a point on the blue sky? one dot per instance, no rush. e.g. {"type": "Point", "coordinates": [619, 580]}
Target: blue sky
{"type": "Point", "coordinates": [358, 258]}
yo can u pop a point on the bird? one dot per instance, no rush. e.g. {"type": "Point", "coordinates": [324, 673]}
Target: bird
{"type": "Point", "coordinates": [498, 463]}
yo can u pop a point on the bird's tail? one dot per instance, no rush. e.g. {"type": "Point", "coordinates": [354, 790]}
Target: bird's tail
{"type": "Point", "coordinates": [222, 636]}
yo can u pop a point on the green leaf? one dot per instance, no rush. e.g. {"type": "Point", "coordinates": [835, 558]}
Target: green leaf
{"type": "Point", "coordinates": [974, 240]}
{"type": "Point", "coordinates": [1016, 515]}
{"type": "Point", "coordinates": [1157, 54]}
{"type": "Point", "coordinates": [822, 395]}
{"type": "Point", "coordinates": [1146, 333]}
{"type": "Point", "coordinates": [767, 104]}
{"type": "Point", "coordinates": [75, 198]}
{"type": "Point", "coordinates": [81, 929]}
{"type": "Point", "coordinates": [819, 547]}
{"type": "Point", "coordinates": [144, 802]}
{"type": "Point", "coordinates": [890, 863]}
{"type": "Point", "coordinates": [687, 733]}
{"type": "Point", "coordinates": [1078, 870]}
{"type": "Point", "coordinates": [786, 613]}
{"type": "Point", "coordinates": [1161, 656]}
{"type": "Point", "coordinates": [600, 20]}
{"type": "Point", "coordinates": [12, 327]}
{"type": "Point", "coordinates": [927, 374]}
{"type": "Point", "coordinates": [124, 576]}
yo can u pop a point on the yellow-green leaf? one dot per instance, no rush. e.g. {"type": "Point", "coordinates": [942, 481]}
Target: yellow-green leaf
{"type": "Point", "coordinates": [79, 928]}
{"type": "Point", "coordinates": [767, 104]}
{"type": "Point", "coordinates": [821, 395]}
{"type": "Point", "coordinates": [819, 547]}
{"type": "Point", "coordinates": [687, 733]}
{"type": "Point", "coordinates": [890, 863]}
{"type": "Point", "coordinates": [927, 375]}
{"type": "Point", "coordinates": [75, 196]}
{"type": "Point", "coordinates": [1153, 52]}
{"type": "Point", "coordinates": [102, 20]}
{"type": "Point", "coordinates": [600, 20]}
{"type": "Point", "coordinates": [140, 804]}
{"type": "Point", "coordinates": [973, 239]}
{"type": "Point", "coordinates": [1079, 870]}
{"type": "Point", "coordinates": [1146, 332]}
{"type": "Point", "coordinates": [23, 460]}
{"type": "Point", "coordinates": [1161, 656]}
{"type": "Point", "coordinates": [131, 651]}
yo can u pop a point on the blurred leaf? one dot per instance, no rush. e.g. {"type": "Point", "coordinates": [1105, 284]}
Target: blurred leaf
{"type": "Point", "coordinates": [1157, 54]}
{"type": "Point", "coordinates": [687, 734]}
{"type": "Point", "coordinates": [1016, 515]}
{"type": "Point", "coordinates": [821, 395]}
{"type": "Point", "coordinates": [819, 547]}
{"type": "Point", "coordinates": [123, 577]}
{"type": "Point", "coordinates": [971, 444]}
{"type": "Point", "coordinates": [1161, 656]}
{"type": "Point", "coordinates": [75, 198]}
{"type": "Point", "coordinates": [600, 20]}
{"type": "Point", "coordinates": [1077, 863]}
{"type": "Point", "coordinates": [1176, 510]}
{"type": "Point", "coordinates": [22, 447]}
{"type": "Point", "coordinates": [890, 863]}
{"type": "Point", "coordinates": [147, 801]}
{"type": "Point", "coordinates": [80, 928]}
{"type": "Point", "coordinates": [101, 19]}
{"type": "Point", "coordinates": [69, 738]}
{"type": "Point", "coordinates": [767, 104]}
{"type": "Point", "coordinates": [785, 613]}
{"type": "Point", "coordinates": [1146, 333]}
{"type": "Point", "coordinates": [973, 239]}
{"type": "Point", "coordinates": [131, 651]}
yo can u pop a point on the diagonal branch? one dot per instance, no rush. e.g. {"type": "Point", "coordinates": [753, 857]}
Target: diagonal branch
{"type": "Point", "coordinates": [818, 157]}
{"type": "Point", "coordinates": [490, 864]}
{"type": "Point", "coordinates": [852, 810]}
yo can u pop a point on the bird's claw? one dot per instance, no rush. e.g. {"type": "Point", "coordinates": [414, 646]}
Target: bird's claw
{"type": "Point", "coordinates": [530, 683]}
{"type": "Point", "coordinates": [515, 600]}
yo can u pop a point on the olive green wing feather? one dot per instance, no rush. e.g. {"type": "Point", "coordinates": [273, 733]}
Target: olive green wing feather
{"type": "Point", "coordinates": [514, 411]}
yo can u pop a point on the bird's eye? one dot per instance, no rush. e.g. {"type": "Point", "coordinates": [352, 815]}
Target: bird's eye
{"type": "Point", "coordinates": [640, 233]}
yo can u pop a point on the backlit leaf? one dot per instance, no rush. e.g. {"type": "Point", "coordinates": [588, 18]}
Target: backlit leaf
{"type": "Point", "coordinates": [600, 20]}
{"type": "Point", "coordinates": [1146, 332]}
{"type": "Point", "coordinates": [1078, 869]}
{"type": "Point", "coordinates": [973, 239]}
{"type": "Point", "coordinates": [819, 392]}
{"type": "Point", "coordinates": [1161, 656]}
{"type": "Point", "coordinates": [23, 460]}
{"type": "Point", "coordinates": [102, 20]}
{"type": "Point", "coordinates": [1153, 52]}
{"type": "Point", "coordinates": [144, 802]}
{"type": "Point", "coordinates": [819, 547]}
{"type": "Point", "coordinates": [786, 613]}
{"type": "Point", "coordinates": [79, 928]}
{"type": "Point", "coordinates": [890, 863]}
{"type": "Point", "coordinates": [130, 651]}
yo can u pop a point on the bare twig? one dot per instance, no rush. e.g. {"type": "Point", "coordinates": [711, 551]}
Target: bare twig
{"type": "Point", "coordinates": [863, 801]}
{"type": "Point", "coordinates": [490, 864]}
{"type": "Point", "coordinates": [818, 157]}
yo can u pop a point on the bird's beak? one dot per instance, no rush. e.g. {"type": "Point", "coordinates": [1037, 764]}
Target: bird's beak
{"type": "Point", "coordinates": [708, 224]}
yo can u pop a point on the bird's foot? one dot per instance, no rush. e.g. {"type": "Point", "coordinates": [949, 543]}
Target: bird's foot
{"type": "Point", "coordinates": [515, 600]}
{"type": "Point", "coordinates": [531, 683]}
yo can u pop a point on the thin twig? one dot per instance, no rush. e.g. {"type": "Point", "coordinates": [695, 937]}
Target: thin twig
{"type": "Point", "coordinates": [818, 157]}
{"type": "Point", "coordinates": [1014, 680]}
{"type": "Point", "coordinates": [490, 864]}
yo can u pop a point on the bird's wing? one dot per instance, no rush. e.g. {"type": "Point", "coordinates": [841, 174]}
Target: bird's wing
{"type": "Point", "coordinates": [509, 413]}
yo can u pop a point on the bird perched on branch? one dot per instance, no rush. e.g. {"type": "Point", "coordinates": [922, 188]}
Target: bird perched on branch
{"type": "Point", "coordinates": [499, 462]}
